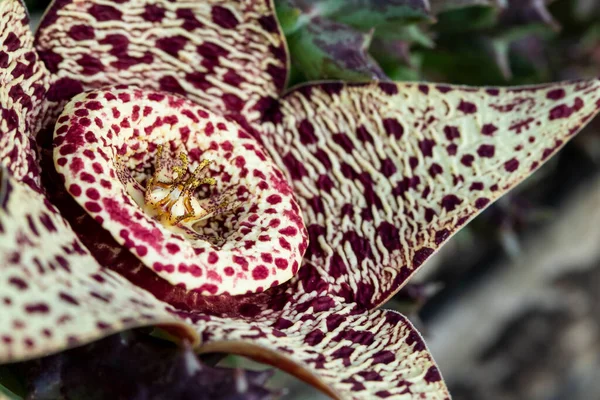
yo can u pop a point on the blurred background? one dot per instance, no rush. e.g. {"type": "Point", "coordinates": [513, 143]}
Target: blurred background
{"type": "Point", "coordinates": [510, 308]}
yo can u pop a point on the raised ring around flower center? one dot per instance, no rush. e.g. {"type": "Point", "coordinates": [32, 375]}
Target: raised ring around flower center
{"type": "Point", "coordinates": [190, 194]}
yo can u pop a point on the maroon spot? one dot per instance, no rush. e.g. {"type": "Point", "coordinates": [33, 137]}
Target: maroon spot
{"type": "Point", "coordinates": [435, 170]}
{"type": "Point", "coordinates": [314, 338]}
{"type": "Point", "coordinates": [389, 235]}
{"type": "Point", "coordinates": [486, 150]}
{"type": "Point", "coordinates": [68, 298]}
{"type": "Point", "coordinates": [295, 168]}
{"type": "Point", "coordinates": [476, 186]}
{"type": "Point", "coordinates": [170, 84]}
{"type": "Point", "coordinates": [393, 128]}
{"type": "Point", "coordinates": [383, 357]}
{"type": "Point", "coordinates": [93, 206]}
{"type": "Point", "coordinates": [433, 375]}
{"type": "Point", "coordinates": [64, 89]}
{"type": "Point", "coordinates": [450, 202]}
{"type": "Point", "coordinates": [229, 271]}
{"type": "Point", "coordinates": [556, 94]}
{"type": "Point", "coordinates": [81, 32]}
{"type": "Point", "coordinates": [153, 13]}
{"type": "Point", "coordinates": [172, 248]}
{"type": "Point", "coordinates": [75, 190]}
{"type": "Point", "coordinates": [213, 257]}
{"type": "Point", "coordinates": [274, 199]}
{"type": "Point", "coordinates": [426, 147]}
{"type": "Point", "coordinates": [281, 263]}
{"type": "Point", "coordinates": [481, 202]}
{"type": "Point", "coordinates": [332, 88]}
{"type": "Point", "coordinates": [488, 129]}
{"type": "Point", "coordinates": [511, 165]}
{"type": "Point", "coordinates": [441, 236]}
{"type": "Point", "coordinates": [224, 17]}
{"type": "Point", "coordinates": [233, 78]}
{"type": "Point", "coordinates": [92, 194]}
{"type": "Point", "coordinates": [467, 107]}
{"type": "Point", "coordinates": [171, 45]}
{"type": "Point", "coordinates": [421, 256]}
{"type": "Point", "coordinates": [40, 308]}
{"type": "Point", "coordinates": [388, 168]}
{"type": "Point", "coordinates": [233, 102]}
{"type": "Point", "coordinates": [260, 272]}
{"type": "Point", "coordinates": [18, 283]}
{"type": "Point", "coordinates": [343, 141]}
{"type": "Point", "coordinates": [105, 13]}
{"type": "Point", "coordinates": [307, 132]}
{"type": "Point", "coordinates": [189, 20]}
{"type": "Point", "coordinates": [389, 88]}
{"type": "Point", "coordinates": [564, 111]}
{"type": "Point", "coordinates": [424, 89]}
{"type": "Point", "coordinates": [90, 65]}
{"type": "Point", "coordinates": [268, 23]}
{"type": "Point", "coordinates": [363, 135]}
{"type": "Point", "coordinates": [467, 160]}
{"type": "Point", "coordinates": [12, 42]}
{"type": "Point", "coordinates": [451, 132]}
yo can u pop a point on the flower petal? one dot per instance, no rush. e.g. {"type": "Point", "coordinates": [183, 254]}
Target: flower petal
{"type": "Point", "coordinates": [228, 56]}
{"type": "Point", "coordinates": [386, 173]}
{"type": "Point", "coordinates": [106, 143]}
{"type": "Point", "coordinates": [23, 84]}
{"type": "Point", "coordinates": [54, 294]}
{"type": "Point", "coordinates": [345, 353]}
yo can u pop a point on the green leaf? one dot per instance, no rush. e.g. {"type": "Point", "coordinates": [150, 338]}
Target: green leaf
{"type": "Point", "coordinates": [439, 6]}
{"type": "Point", "coordinates": [329, 50]}
{"type": "Point", "coordinates": [367, 14]}
{"type": "Point", "coordinates": [412, 34]}
{"type": "Point", "coordinates": [467, 19]}
{"type": "Point", "coordinates": [360, 14]}
{"type": "Point", "coordinates": [10, 384]}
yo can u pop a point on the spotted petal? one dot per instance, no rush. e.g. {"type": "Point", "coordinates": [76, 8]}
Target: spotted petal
{"type": "Point", "coordinates": [344, 352]}
{"type": "Point", "coordinates": [54, 294]}
{"type": "Point", "coordinates": [23, 84]}
{"type": "Point", "coordinates": [228, 56]}
{"type": "Point", "coordinates": [386, 173]}
{"type": "Point", "coordinates": [106, 142]}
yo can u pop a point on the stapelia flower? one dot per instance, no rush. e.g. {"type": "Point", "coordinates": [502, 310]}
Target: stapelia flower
{"type": "Point", "coordinates": [200, 199]}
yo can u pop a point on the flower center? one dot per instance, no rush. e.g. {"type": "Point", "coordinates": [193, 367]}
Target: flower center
{"type": "Point", "coordinates": [208, 212]}
{"type": "Point", "coordinates": [171, 192]}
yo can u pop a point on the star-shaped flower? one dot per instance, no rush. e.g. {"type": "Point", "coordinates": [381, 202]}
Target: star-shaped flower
{"type": "Point", "coordinates": [201, 199]}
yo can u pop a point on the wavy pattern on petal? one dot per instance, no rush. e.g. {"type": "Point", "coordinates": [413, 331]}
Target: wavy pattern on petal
{"type": "Point", "coordinates": [54, 294]}
{"type": "Point", "coordinates": [106, 145]}
{"type": "Point", "coordinates": [344, 352]}
{"type": "Point", "coordinates": [23, 84]}
{"type": "Point", "coordinates": [386, 173]}
{"type": "Point", "coordinates": [228, 56]}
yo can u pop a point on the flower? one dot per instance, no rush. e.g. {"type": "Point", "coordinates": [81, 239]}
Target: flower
{"type": "Point", "coordinates": [378, 176]}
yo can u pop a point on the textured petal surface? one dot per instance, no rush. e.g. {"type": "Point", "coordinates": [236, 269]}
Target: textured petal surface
{"type": "Point", "coordinates": [386, 173]}
{"type": "Point", "coordinates": [23, 84]}
{"type": "Point", "coordinates": [344, 352]}
{"type": "Point", "coordinates": [228, 56]}
{"type": "Point", "coordinates": [106, 147]}
{"type": "Point", "coordinates": [54, 295]}
{"type": "Point", "coordinates": [288, 326]}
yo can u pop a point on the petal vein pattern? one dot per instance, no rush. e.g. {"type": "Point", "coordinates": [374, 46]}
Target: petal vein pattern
{"type": "Point", "coordinates": [23, 85]}
{"type": "Point", "coordinates": [345, 353]}
{"type": "Point", "coordinates": [386, 173]}
{"type": "Point", "coordinates": [228, 56]}
{"type": "Point", "coordinates": [54, 294]}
